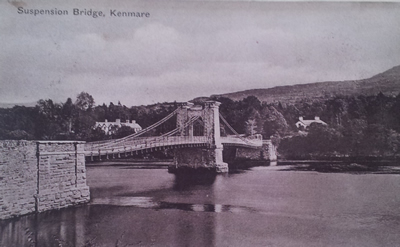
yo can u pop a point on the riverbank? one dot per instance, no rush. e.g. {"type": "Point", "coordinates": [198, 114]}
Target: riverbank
{"type": "Point", "coordinates": [374, 167]}
{"type": "Point", "coordinates": [324, 166]}
{"type": "Point", "coordinates": [340, 158]}
{"type": "Point", "coordinates": [134, 163]}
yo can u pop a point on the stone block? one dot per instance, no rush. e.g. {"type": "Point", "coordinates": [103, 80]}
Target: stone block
{"type": "Point", "coordinates": [57, 178]}
{"type": "Point", "coordinates": [85, 192]}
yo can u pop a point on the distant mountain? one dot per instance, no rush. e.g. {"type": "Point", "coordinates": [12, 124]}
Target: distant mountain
{"type": "Point", "coordinates": [199, 100]}
{"type": "Point", "coordinates": [11, 105]}
{"type": "Point", "coordinates": [387, 82]}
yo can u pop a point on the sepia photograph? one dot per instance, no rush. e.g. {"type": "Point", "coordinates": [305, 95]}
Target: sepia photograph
{"type": "Point", "coordinates": [199, 123]}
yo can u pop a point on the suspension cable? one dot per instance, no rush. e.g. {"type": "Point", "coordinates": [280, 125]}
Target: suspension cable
{"type": "Point", "coordinates": [174, 131]}
{"type": "Point", "coordinates": [141, 132]}
{"type": "Point", "coordinates": [228, 125]}
{"type": "Point", "coordinates": [233, 130]}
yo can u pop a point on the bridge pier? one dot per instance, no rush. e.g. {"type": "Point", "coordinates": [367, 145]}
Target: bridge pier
{"type": "Point", "coordinates": [198, 159]}
{"type": "Point", "coordinates": [267, 152]}
{"type": "Point", "coordinates": [220, 165]}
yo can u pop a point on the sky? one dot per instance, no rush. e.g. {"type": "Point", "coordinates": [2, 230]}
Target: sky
{"type": "Point", "coordinates": [188, 49]}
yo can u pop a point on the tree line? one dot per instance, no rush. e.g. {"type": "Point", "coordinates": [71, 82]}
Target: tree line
{"type": "Point", "coordinates": [356, 125]}
{"type": "Point", "coordinates": [75, 120]}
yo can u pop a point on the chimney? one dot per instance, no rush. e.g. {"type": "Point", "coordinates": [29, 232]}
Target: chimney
{"type": "Point", "coordinates": [127, 121]}
{"type": "Point", "coordinates": [106, 120]}
{"type": "Point", "coordinates": [301, 118]}
{"type": "Point", "coordinates": [118, 121]}
{"type": "Point", "coordinates": [133, 121]}
{"type": "Point", "coordinates": [317, 118]}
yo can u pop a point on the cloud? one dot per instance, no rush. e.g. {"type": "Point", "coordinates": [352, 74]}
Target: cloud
{"type": "Point", "coordinates": [184, 52]}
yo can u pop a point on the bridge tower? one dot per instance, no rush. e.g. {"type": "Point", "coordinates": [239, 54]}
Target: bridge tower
{"type": "Point", "coordinates": [209, 157]}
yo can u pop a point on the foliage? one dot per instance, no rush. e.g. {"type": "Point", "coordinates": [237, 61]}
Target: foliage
{"type": "Point", "coordinates": [356, 125]}
{"type": "Point", "coordinates": [250, 116]}
{"type": "Point", "coordinates": [84, 101]}
{"type": "Point", "coordinates": [251, 126]}
{"type": "Point", "coordinates": [122, 132]}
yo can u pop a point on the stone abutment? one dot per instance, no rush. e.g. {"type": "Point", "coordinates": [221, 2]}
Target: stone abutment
{"type": "Point", "coordinates": [267, 152]}
{"type": "Point", "coordinates": [36, 176]}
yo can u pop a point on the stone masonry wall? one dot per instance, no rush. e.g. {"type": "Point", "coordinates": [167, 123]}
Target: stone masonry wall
{"type": "Point", "coordinates": [248, 154]}
{"type": "Point", "coordinates": [267, 152]}
{"type": "Point", "coordinates": [194, 158]}
{"type": "Point", "coordinates": [18, 176]}
{"type": "Point", "coordinates": [62, 175]}
{"type": "Point", "coordinates": [36, 176]}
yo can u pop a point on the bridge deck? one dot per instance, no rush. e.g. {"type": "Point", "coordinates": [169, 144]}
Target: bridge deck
{"type": "Point", "coordinates": [124, 146]}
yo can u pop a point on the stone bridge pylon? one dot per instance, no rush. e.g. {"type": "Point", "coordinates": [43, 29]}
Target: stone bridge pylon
{"type": "Point", "coordinates": [206, 124]}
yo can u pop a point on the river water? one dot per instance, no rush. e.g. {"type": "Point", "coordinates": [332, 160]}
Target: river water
{"type": "Point", "coordinates": [259, 206]}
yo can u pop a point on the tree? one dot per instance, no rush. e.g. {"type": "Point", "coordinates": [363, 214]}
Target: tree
{"type": "Point", "coordinates": [251, 102]}
{"type": "Point", "coordinates": [324, 140]}
{"type": "Point", "coordinates": [123, 131]}
{"type": "Point", "coordinates": [83, 125]}
{"type": "Point", "coordinates": [251, 127]}
{"type": "Point", "coordinates": [353, 134]}
{"type": "Point", "coordinates": [48, 123]}
{"type": "Point", "coordinates": [393, 142]}
{"type": "Point", "coordinates": [376, 139]}
{"type": "Point", "coordinates": [48, 109]}
{"type": "Point", "coordinates": [84, 101]}
{"type": "Point", "coordinates": [274, 122]}
{"type": "Point", "coordinates": [294, 147]}
{"type": "Point", "coordinates": [68, 110]}
{"type": "Point", "coordinates": [96, 134]}
{"type": "Point", "coordinates": [337, 107]}
{"type": "Point", "coordinates": [395, 113]}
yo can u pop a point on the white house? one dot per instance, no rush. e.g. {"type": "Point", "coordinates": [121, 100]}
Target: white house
{"type": "Point", "coordinates": [107, 127]}
{"type": "Point", "coordinates": [306, 123]}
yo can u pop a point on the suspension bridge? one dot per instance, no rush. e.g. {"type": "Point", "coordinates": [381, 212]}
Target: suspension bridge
{"type": "Point", "coordinates": [196, 141]}
{"type": "Point", "coordinates": [52, 174]}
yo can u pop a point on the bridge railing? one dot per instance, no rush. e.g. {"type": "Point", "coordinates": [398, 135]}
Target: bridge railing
{"type": "Point", "coordinates": [144, 140]}
{"type": "Point", "coordinates": [96, 149]}
{"type": "Point", "coordinates": [255, 137]}
{"type": "Point", "coordinates": [143, 143]}
{"type": "Point", "coordinates": [255, 141]}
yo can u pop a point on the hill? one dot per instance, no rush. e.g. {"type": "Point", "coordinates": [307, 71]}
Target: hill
{"type": "Point", "coordinates": [11, 105]}
{"type": "Point", "coordinates": [387, 82]}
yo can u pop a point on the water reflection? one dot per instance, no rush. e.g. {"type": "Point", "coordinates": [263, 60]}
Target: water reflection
{"type": "Point", "coordinates": [115, 218]}
{"type": "Point", "coordinates": [53, 228]}
{"type": "Point", "coordinates": [190, 180]}
{"type": "Point", "coordinates": [103, 225]}
{"type": "Point", "coordinates": [262, 206]}
{"type": "Point", "coordinates": [149, 203]}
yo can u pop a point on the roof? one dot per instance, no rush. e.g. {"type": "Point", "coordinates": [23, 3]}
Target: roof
{"type": "Point", "coordinates": [309, 122]}
{"type": "Point", "coordinates": [108, 124]}
{"type": "Point", "coordinates": [132, 125]}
